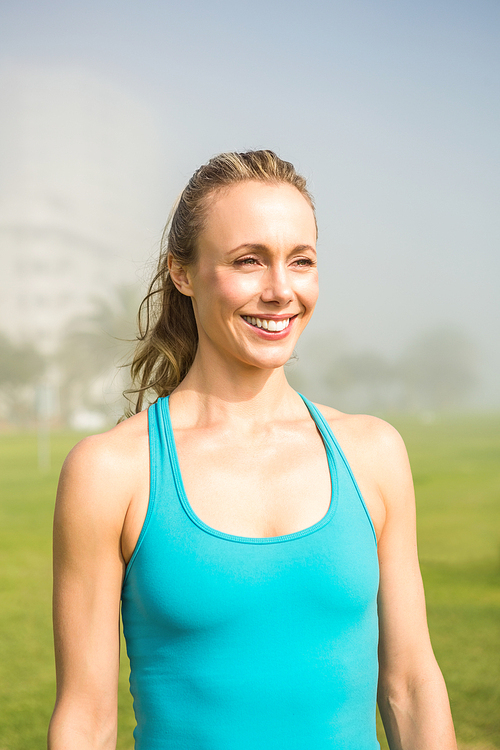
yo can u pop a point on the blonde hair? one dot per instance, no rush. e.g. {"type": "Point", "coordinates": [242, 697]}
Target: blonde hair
{"type": "Point", "coordinates": [168, 337]}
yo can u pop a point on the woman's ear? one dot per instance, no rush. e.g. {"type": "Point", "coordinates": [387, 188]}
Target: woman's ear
{"type": "Point", "coordinates": [180, 276]}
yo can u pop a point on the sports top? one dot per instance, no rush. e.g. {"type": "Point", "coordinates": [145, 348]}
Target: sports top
{"type": "Point", "coordinates": [251, 643]}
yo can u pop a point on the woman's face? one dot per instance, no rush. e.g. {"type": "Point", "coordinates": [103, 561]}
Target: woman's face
{"type": "Point", "coordinates": [254, 285]}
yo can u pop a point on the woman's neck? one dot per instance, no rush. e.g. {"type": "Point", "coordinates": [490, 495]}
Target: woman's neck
{"type": "Point", "coordinates": [232, 392]}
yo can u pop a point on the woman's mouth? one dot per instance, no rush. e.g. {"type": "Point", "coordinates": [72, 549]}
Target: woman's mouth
{"type": "Point", "coordinates": [268, 325]}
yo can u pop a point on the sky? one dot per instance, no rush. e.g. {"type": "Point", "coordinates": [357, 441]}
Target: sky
{"type": "Point", "coordinates": [389, 108]}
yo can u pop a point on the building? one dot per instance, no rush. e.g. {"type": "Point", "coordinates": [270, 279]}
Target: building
{"type": "Point", "coordinates": [79, 191]}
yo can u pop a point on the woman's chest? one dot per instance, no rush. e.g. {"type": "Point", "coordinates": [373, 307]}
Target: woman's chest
{"type": "Point", "coordinates": [257, 488]}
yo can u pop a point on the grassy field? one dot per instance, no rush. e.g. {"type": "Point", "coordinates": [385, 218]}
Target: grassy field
{"type": "Point", "coordinates": [456, 464]}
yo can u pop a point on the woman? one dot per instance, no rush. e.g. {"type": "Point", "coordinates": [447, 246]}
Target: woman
{"type": "Point", "coordinates": [262, 546]}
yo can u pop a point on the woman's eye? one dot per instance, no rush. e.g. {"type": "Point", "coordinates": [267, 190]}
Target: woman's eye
{"type": "Point", "coordinates": [246, 261]}
{"type": "Point", "coordinates": [304, 262]}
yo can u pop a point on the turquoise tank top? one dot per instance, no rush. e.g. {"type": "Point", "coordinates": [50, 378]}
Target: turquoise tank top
{"type": "Point", "coordinates": [256, 644]}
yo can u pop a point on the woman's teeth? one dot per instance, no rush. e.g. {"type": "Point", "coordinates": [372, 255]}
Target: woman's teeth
{"type": "Point", "coordinates": [268, 325]}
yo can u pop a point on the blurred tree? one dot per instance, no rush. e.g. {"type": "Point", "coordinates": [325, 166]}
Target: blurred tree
{"type": "Point", "coordinates": [362, 380]}
{"type": "Point", "coordinates": [21, 368]}
{"type": "Point", "coordinates": [93, 350]}
{"type": "Point", "coordinates": [438, 371]}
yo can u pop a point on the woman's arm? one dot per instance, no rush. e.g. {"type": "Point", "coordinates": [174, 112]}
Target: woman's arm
{"type": "Point", "coordinates": [412, 695]}
{"type": "Point", "coordinates": [91, 504]}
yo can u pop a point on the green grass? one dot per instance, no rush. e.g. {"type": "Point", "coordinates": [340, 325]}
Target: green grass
{"type": "Point", "coordinates": [27, 686]}
{"type": "Point", "coordinates": [456, 468]}
{"type": "Point", "coordinates": [456, 464]}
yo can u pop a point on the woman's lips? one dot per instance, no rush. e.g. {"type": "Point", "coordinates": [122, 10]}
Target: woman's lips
{"type": "Point", "coordinates": [270, 327]}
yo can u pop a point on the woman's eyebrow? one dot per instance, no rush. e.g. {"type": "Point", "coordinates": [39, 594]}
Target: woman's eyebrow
{"type": "Point", "coordinates": [257, 247]}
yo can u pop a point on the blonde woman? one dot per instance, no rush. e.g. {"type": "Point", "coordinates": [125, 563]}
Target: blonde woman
{"type": "Point", "coordinates": [262, 547]}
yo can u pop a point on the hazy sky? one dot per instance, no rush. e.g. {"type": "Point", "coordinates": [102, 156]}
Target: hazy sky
{"type": "Point", "coordinates": [391, 109]}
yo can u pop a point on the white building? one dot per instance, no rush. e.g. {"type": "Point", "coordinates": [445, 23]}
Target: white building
{"type": "Point", "coordinates": [79, 177]}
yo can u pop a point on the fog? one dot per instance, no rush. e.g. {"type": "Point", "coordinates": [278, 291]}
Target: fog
{"type": "Point", "coordinates": [391, 110]}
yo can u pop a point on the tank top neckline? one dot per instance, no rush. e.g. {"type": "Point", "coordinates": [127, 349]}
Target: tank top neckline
{"type": "Point", "coordinates": [328, 441]}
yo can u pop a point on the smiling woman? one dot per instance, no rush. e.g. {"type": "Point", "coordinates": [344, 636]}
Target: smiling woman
{"type": "Point", "coordinates": [258, 188]}
{"type": "Point", "coordinates": [262, 546]}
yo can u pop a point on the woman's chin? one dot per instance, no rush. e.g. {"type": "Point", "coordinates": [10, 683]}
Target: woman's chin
{"type": "Point", "coordinates": [270, 362]}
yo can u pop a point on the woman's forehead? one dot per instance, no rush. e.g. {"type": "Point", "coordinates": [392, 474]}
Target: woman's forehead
{"type": "Point", "coordinates": [250, 211]}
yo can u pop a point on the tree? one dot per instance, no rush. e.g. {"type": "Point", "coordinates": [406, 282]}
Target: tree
{"type": "Point", "coordinates": [21, 368]}
{"type": "Point", "coordinates": [93, 350]}
{"type": "Point", "coordinates": [361, 381]}
{"type": "Point", "coordinates": [438, 371]}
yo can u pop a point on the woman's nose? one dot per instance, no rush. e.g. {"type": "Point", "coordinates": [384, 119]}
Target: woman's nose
{"type": "Point", "coordinates": [277, 286]}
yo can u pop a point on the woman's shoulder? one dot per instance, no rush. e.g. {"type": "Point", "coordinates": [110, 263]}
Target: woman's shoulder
{"type": "Point", "coordinates": [105, 469]}
{"type": "Point", "coordinates": [377, 456]}
{"type": "Point", "coordinates": [114, 446]}
{"type": "Point", "coordinates": [363, 432]}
